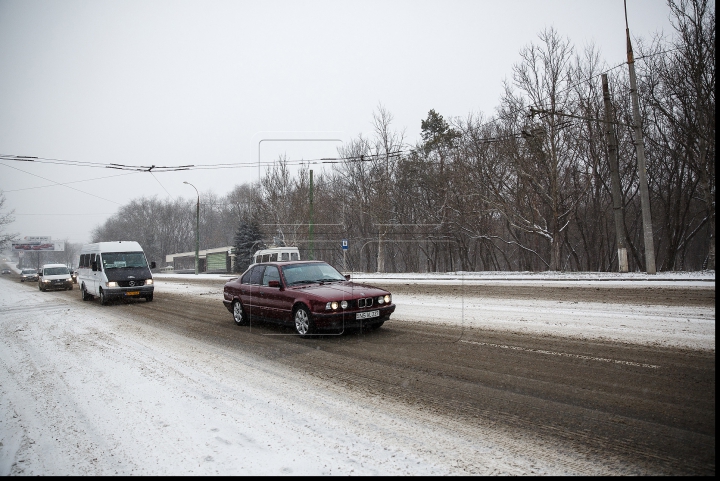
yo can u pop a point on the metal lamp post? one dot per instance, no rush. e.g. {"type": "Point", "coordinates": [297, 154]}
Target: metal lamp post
{"type": "Point", "coordinates": [197, 229]}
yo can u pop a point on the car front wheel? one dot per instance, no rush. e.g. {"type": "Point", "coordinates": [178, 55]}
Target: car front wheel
{"type": "Point", "coordinates": [239, 314]}
{"type": "Point", "coordinates": [303, 322]}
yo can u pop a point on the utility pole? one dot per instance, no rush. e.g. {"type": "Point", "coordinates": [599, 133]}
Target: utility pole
{"type": "Point", "coordinates": [312, 227]}
{"type": "Point", "coordinates": [197, 229]}
{"type": "Point", "coordinates": [640, 150]}
{"type": "Point", "coordinates": [618, 210]}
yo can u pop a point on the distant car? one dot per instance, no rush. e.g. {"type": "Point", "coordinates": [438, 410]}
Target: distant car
{"type": "Point", "coordinates": [73, 274]}
{"type": "Point", "coordinates": [312, 296]}
{"type": "Point", "coordinates": [54, 276]}
{"type": "Point", "coordinates": [28, 275]}
{"type": "Point", "coordinates": [6, 271]}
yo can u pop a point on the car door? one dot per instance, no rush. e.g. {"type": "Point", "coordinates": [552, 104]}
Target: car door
{"type": "Point", "coordinates": [253, 305]}
{"type": "Point", "coordinates": [268, 296]}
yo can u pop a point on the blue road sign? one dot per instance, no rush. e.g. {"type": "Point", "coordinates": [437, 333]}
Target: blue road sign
{"type": "Point", "coordinates": [345, 244]}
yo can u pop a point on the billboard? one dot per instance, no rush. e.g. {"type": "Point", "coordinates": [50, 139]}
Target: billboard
{"type": "Point", "coordinates": [36, 243]}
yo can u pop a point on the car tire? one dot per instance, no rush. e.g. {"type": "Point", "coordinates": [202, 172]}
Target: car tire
{"type": "Point", "coordinates": [239, 314]}
{"type": "Point", "coordinates": [303, 322]}
{"type": "Point", "coordinates": [103, 298]}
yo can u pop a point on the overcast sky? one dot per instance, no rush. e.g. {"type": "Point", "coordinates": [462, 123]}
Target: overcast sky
{"type": "Point", "coordinates": [170, 83]}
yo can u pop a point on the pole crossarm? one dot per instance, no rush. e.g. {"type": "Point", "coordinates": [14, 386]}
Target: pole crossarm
{"type": "Point", "coordinates": [559, 113]}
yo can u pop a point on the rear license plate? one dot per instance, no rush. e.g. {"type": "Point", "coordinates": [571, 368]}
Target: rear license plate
{"type": "Point", "coordinates": [132, 293]}
{"type": "Point", "coordinates": [367, 315]}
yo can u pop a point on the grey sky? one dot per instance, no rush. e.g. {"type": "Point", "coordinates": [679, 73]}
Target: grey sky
{"type": "Point", "coordinates": [202, 82]}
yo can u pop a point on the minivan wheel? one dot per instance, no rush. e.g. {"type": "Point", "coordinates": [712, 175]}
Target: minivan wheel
{"type": "Point", "coordinates": [303, 323]}
{"type": "Point", "coordinates": [149, 298]}
{"type": "Point", "coordinates": [103, 298]}
{"type": "Point", "coordinates": [83, 293]}
{"type": "Point", "coordinates": [239, 314]}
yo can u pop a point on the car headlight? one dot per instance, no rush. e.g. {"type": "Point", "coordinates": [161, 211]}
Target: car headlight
{"type": "Point", "coordinates": [331, 305]}
{"type": "Point", "coordinates": [344, 304]}
{"type": "Point", "coordinates": [381, 300]}
{"type": "Point", "coordinates": [387, 298]}
{"type": "Point", "coordinates": [112, 284]}
{"type": "Point", "coordinates": [148, 282]}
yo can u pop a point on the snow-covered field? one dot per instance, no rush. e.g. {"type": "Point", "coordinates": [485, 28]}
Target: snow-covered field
{"type": "Point", "coordinates": [87, 391]}
{"type": "Point", "coordinates": [685, 326]}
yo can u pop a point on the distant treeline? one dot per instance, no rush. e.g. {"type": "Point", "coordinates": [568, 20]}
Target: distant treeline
{"type": "Point", "coordinates": [515, 191]}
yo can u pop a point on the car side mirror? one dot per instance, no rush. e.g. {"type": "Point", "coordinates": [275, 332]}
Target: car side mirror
{"type": "Point", "coordinates": [153, 265]}
{"type": "Point", "coordinates": [347, 277]}
{"type": "Point", "coordinates": [274, 284]}
{"type": "Point", "coordinates": [94, 266]}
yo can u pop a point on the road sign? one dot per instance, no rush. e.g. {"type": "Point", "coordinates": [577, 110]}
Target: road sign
{"type": "Point", "coordinates": [345, 244]}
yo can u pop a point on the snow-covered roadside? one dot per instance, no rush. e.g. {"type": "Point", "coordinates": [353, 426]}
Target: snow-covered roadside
{"type": "Point", "coordinates": [86, 391]}
{"type": "Point", "coordinates": [677, 326]}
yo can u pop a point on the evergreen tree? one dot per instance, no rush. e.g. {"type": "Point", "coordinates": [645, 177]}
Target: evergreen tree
{"type": "Point", "coordinates": [248, 239]}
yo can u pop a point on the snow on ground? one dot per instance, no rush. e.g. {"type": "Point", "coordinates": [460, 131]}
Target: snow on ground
{"type": "Point", "coordinates": [678, 326]}
{"type": "Point", "coordinates": [87, 391]}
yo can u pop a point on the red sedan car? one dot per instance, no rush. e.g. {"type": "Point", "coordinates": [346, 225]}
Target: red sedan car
{"type": "Point", "coordinates": [312, 296]}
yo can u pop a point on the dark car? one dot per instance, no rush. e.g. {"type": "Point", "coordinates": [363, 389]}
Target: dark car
{"type": "Point", "coordinates": [6, 271]}
{"type": "Point", "coordinates": [312, 296]}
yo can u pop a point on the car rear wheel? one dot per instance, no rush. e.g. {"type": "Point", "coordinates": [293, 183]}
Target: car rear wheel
{"type": "Point", "coordinates": [303, 322]}
{"type": "Point", "coordinates": [239, 314]}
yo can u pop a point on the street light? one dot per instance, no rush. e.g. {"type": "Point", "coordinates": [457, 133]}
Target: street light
{"type": "Point", "coordinates": [197, 229]}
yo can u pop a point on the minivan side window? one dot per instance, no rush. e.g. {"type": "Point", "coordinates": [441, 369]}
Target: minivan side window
{"type": "Point", "coordinates": [294, 256]}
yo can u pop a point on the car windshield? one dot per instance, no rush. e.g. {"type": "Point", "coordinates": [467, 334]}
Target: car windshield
{"type": "Point", "coordinates": [310, 273]}
{"type": "Point", "coordinates": [28, 271]}
{"type": "Point", "coordinates": [56, 271]}
{"type": "Point", "coordinates": [117, 260]}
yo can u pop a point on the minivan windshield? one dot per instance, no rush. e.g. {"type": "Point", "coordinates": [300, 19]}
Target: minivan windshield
{"type": "Point", "coordinates": [55, 271]}
{"type": "Point", "coordinates": [118, 260]}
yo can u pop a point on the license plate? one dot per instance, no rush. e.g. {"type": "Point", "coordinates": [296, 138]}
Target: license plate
{"type": "Point", "coordinates": [132, 293]}
{"type": "Point", "coordinates": [367, 315]}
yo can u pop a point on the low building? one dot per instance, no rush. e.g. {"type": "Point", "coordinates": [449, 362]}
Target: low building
{"type": "Point", "coordinates": [219, 260]}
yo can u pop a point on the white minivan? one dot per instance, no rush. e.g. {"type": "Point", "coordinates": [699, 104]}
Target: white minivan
{"type": "Point", "coordinates": [113, 270]}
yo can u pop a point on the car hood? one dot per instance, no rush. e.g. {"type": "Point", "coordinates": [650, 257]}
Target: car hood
{"type": "Point", "coordinates": [341, 290]}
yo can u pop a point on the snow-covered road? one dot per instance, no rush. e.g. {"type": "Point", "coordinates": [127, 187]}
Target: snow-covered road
{"type": "Point", "coordinates": [84, 390]}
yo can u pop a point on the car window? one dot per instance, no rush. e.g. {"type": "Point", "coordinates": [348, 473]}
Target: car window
{"type": "Point", "coordinates": [294, 256]}
{"type": "Point", "coordinates": [285, 256]}
{"type": "Point", "coordinates": [246, 278]}
{"type": "Point", "coordinates": [271, 274]}
{"type": "Point", "coordinates": [256, 275]}
{"type": "Point", "coordinates": [55, 271]}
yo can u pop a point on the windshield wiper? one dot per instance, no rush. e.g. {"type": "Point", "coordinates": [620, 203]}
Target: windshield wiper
{"type": "Point", "coordinates": [303, 281]}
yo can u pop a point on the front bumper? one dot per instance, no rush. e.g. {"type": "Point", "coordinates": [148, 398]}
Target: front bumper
{"type": "Point", "coordinates": [348, 319]}
{"type": "Point", "coordinates": [65, 284]}
{"type": "Point", "coordinates": [128, 292]}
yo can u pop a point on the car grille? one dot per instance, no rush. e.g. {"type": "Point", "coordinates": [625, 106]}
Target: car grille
{"type": "Point", "coordinates": [133, 283]}
{"type": "Point", "coordinates": [366, 302]}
